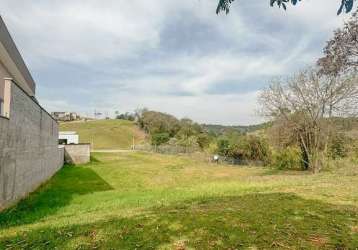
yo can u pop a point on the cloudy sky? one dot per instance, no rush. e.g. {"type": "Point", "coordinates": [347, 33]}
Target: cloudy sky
{"type": "Point", "coordinates": [174, 56]}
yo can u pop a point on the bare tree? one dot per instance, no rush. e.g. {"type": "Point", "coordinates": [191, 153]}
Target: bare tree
{"type": "Point", "coordinates": [306, 101]}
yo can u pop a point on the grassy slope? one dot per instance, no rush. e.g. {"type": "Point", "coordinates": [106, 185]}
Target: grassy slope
{"type": "Point", "coordinates": [106, 134]}
{"type": "Point", "coordinates": [145, 201]}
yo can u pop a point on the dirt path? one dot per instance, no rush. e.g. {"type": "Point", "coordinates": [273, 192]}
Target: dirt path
{"type": "Point", "coordinates": [112, 151]}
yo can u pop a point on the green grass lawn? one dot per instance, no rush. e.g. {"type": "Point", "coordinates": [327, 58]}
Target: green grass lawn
{"type": "Point", "coordinates": [149, 201]}
{"type": "Point", "coordinates": [106, 134]}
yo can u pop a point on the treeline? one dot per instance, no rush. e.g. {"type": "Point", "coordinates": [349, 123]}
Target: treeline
{"type": "Point", "coordinates": [222, 129]}
{"type": "Point", "coordinates": [126, 116]}
{"type": "Point", "coordinates": [274, 146]}
{"type": "Point", "coordinates": [166, 130]}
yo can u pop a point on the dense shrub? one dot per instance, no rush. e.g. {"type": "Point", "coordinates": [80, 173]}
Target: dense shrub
{"type": "Point", "coordinates": [212, 148]}
{"type": "Point", "coordinates": [126, 116]}
{"type": "Point", "coordinates": [288, 158]}
{"type": "Point", "coordinates": [239, 149]}
{"type": "Point", "coordinates": [259, 149]}
{"type": "Point", "coordinates": [354, 149]}
{"type": "Point", "coordinates": [250, 148]}
{"type": "Point", "coordinates": [338, 146]}
{"type": "Point", "coordinates": [223, 146]}
{"type": "Point", "coordinates": [160, 138]}
{"type": "Point", "coordinates": [203, 140]}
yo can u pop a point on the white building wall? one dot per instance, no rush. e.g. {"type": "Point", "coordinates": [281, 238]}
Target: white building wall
{"type": "Point", "coordinates": [71, 138]}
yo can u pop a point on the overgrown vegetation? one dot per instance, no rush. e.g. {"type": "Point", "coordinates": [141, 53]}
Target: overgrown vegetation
{"type": "Point", "coordinates": [304, 107]}
{"type": "Point", "coordinates": [289, 158]}
{"type": "Point", "coordinates": [163, 127]}
{"type": "Point", "coordinates": [166, 130]}
{"type": "Point", "coordinates": [279, 144]}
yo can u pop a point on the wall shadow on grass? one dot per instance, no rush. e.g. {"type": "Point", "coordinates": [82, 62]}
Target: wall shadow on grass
{"type": "Point", "coordinates": [275, 220]}
{"type": "Point", "coordinates": [94, 159]}
{"type": "Point", "coordinates": [53, 195]}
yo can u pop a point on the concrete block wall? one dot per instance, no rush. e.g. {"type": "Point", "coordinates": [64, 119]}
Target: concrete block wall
{"type": "Point", "coordinates": [29, 153]}
{"type": "Point", "coordinates": [77, 153]}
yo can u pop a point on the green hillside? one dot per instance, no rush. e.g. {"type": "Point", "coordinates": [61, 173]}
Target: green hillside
{"type": "Point", "coordinates": [106, 134]}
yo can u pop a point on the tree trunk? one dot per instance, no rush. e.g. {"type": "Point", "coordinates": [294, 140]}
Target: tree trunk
{"type": "Point", "coordinates": [316, 162]}
{"type": "Point", "coordinates": [305, 158]}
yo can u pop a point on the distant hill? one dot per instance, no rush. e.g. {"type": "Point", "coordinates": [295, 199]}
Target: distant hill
{"type": "Point", "coordinates": [347, 125]}
{"type": "Point", "coordinates": [222, 129]}
{"type": "Point", "coordinates": [106, 134]}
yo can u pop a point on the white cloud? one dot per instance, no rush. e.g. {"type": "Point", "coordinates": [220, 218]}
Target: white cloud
{"type": "Point", "coordinates": [123, 40]}
{"type": "Point", "coordinates": [85, 31]}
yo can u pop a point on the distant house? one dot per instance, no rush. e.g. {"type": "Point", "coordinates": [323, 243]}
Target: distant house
{"type": "Point", "coordinates": [75, 152]}
{"type": "Point", "coordinates": [66, 116]}
{"type": "Point", "coordinates": [68, 137]}
{"type": "Point", "coordinates": [29, 153]}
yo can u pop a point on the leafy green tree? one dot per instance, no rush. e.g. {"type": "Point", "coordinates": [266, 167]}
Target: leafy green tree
{"type": "Point", "coordinates": [160, 138]}
{"type": "Point", "coordinates": [345, 5]}
{"type": "Point", "coordinates": [188, 128]}
{"type": "Point", "coordinates": [203, 140]}
{"type": "Point", "coordinates": [156, 122]}
{"type": "Point", "coordinates": [126, 116]}
{"type": "Point", "coordinates": [223, 146]}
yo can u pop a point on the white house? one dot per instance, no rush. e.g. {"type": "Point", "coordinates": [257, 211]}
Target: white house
{"type": "Point", "coordinates": [68, 137]}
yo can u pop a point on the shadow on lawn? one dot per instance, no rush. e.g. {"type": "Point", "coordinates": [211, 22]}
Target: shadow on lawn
{"type": "Point", "coordinates": [267, 221]}
{"type": "Point", "coordinates": [53, 195]}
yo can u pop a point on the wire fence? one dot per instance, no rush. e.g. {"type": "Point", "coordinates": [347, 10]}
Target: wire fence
{"type": "Point", "coordinates": [180, 150]}
{"type": "Point", "coordinates": [166, 149]}
{"type": "Point", "coordinates": [239, 162]}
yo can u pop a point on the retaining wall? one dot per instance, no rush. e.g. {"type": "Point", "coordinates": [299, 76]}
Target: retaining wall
{"type": "Point", "coordinates": [29, 153]}
{"type": "Point", "coordinates": [77, 153]}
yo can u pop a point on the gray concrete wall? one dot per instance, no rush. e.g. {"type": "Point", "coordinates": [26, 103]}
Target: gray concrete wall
{"type": "Point", "coordinates": [77, 153]}
{"type": "Point", "coordinates": [29, 153]}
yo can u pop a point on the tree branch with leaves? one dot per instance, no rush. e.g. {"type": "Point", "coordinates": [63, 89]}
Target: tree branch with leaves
{"type": "Point", "coordinates": [341, 52]}
{"type": "Point", "coordinates": [345, 5]}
